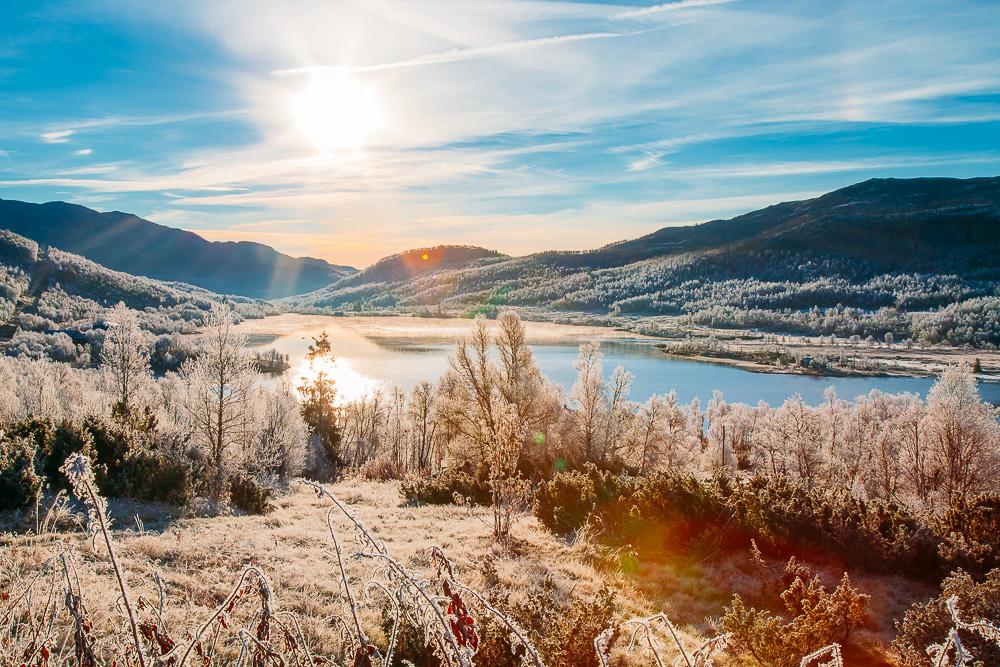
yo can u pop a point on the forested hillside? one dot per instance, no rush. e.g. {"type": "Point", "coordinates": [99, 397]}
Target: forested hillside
{"type": "Point", "coordinates": [54, 304]}
{"type": "Point", "coordinates": [914, 257]}
{"type": "Point", "coordinates": [126, 242]}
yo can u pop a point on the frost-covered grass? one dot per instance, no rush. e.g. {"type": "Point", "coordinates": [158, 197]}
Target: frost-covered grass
{"type": "Point", "coordinates": [200, 560]}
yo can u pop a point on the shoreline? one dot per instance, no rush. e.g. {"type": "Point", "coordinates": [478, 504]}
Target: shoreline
{"type": "Point", "coordinates": [752, 366]}
{"type": "Point", "coordinates": [884, 362]}
{"type": "Point", "coordinates": [438, 329]}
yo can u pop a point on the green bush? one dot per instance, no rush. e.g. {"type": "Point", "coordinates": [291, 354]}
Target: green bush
{"type": "Point", "coordinates": [563, 503]}
{"type": "Point", "coordinates": [562, 626]}
{"type": "Point", "coordinates": [249, 495]}
{"type": "Point", "coordinates": [972, 534]}
{"type": "Point", "coordinates": [19, 483]}
{"type": "Point", "coordinates": [152, 477]}
{"type": "Point", "coordinates": [126, 468]}
{"type": "Point", "coordinates": [929, 622]}
{"type": "Point", "coordinates": [668, 510]}
{"type": "Point", "coordinates": [52, 445]}
{"type": "Point", "coordinates": [441, 489]}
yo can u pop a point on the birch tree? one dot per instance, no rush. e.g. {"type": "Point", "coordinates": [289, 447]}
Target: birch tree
{"type": "Point", "coordinates": [278, 446]}
{"type": "Point", "coordinates": [218, 402]}
{"type": "Point", "coordinates": [422, 427]}
{"type": "Point", "coordinates": [962, 435]}
{"type": "Point", "coordinates": [125, 364]}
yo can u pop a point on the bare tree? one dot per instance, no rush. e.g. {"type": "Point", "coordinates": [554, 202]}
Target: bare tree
{"type": "Point", "coordinates": [796, 441]}
{"type": "Point", "coordinates": [393, 440]}
{"type": "Point", "coordinates": [602, 421]}
{"type": "Point", "coordinates": [648, 439]}
{"type": "Point", "coordinates": [881, 472]}
{"type": "Point", "coordinates": [422, 427]}
{"type": "Point", "coordinates": [469, 396]}
{"type": "Point", "coordinates": [364, 421]}
{"type": "Point", "coordinates": [720, 432]}
{"type": "Point", "coordinates": [509, 491]}
{"type": "Point", "coordinates": [218, 398]}
{"type": "Point", "coordinates": [588, 394]}
{"type": "Point", "coordinates": [475, 385]}
{"type": "Point", "coordinates": [619, 413]}
{"type": "Point", "coordinates": [914, 456]}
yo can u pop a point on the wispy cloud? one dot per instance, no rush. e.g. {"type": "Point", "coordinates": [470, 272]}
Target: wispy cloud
{"type": "Point", "coordinates": [809, 167]}
{"type": "Point", "coordinates": [83, 151]}
{"type": "Point", "coordinates": [63, 131]}
{"type": "Point", "coordinates": [665, 7]}
{"type": "Point", "coordinates": [648, 160]}
{"type": "Point", "coordinates": [56, 136]}
{"type": "Point", "coordinates": [457, 54]}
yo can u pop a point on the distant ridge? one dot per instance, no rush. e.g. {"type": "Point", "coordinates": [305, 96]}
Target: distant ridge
{"type": "Point", "coordinates": [851, 247]}
{"type": "Point", "coordinates": [895, 222]}
{"type": "Point", "coordinates": [125, 242]}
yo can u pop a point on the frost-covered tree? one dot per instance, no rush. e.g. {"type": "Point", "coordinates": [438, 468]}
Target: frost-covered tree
{"type": "Point", "coordinates": [881, 472]}
{"type": "Point", "coordinates": [649, 438]}
{"type": "Point", "coordinates": [602, 419]}
{"type": "Point", "coordinates": [277, 446]}
{"type": "Point", "coordinates": [394, 438]}
{"type": "Point", "coordinates": [795, 430]}
{"type": "Point", "coordinates": [363, 426]}
{"type": "Point", "coordinates": [218, 397]}
{"type": "Point", "coordinates": [475, 386]}
{"type": "Point", "coordinates": [422, 427]}
{"type": "Point", "coordinates": [963, 437]}
{"type": "Point", "coordinates": [915, 464]}
{"type": "Point", "coordinates": [589, 397]}
{"type": "Point", "coordinates": [125, 364]}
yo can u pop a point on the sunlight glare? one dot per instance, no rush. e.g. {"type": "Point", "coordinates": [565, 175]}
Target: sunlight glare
{"type": "Point", "coordinates": [336, 113]}
{"type": "Point", "coordinates": [350, 384]}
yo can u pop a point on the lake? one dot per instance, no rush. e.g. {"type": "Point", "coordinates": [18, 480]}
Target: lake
{"type": "Point", "coordinates": [374, 351]}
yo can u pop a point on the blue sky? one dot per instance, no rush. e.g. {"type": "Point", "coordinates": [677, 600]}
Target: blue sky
{"type": "Point", "coordinates": [352, 130]}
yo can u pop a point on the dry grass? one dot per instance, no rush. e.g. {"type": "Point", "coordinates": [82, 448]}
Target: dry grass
{"type": "Point", "coordinates": [200, 559]}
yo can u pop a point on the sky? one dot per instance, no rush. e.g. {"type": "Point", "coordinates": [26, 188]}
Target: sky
{"type": "Point", "coordinates": [351, 130]}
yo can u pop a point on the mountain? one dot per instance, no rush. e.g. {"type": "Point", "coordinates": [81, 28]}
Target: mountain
{"type": "Point", "coordinates": [421, 261]}
{"type": "Point", "coordinates": [878, 251]}
{"type": "Point", "coordinates": [128, 243]}
{"type": "Point", "coordinates": [898, 223]}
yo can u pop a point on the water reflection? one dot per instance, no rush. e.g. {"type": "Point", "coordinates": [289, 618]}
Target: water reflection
{"type": "Point", "coordinates": [350, 385]}
{"type": "Point", "coordinates": [363, 363]}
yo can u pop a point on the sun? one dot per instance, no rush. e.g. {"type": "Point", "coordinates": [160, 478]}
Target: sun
{"type": "Point", "coordinates": [335, 113]}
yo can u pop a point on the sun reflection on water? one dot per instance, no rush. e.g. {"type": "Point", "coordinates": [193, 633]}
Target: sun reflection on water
{"type": "Point", "coordinates": [349, 383]}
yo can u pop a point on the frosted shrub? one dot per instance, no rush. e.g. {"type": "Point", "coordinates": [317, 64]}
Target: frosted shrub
{"type": "Point", "coordinates": [812, 618]}
{"type": "Point", "coordinates": [942, 623]}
